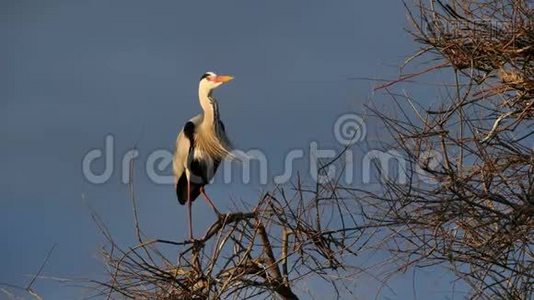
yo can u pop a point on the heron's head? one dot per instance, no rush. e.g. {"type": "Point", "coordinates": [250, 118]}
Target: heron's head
{"type": "Point", "coordinates": [210, 81]}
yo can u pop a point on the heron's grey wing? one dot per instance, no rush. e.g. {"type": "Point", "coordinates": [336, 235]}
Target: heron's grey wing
{"type": "Point", "coordinates": [184, 151]}
{"type": "Point", "coordinates": [180, 155]}
{"type": "Point", "coordinates": [183, 146]}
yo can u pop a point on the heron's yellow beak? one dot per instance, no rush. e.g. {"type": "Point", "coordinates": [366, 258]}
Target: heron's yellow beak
{"type": "Point", "coordinates": [223, 78]}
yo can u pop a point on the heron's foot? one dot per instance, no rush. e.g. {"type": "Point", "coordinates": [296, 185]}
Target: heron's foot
{"type": "Point", "coordinates": [221, 216]}
{"type": "Point", "coordinates": [197, 243]}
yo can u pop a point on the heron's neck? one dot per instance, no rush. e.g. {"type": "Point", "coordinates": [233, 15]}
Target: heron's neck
{"type": "Point", "coordinates": [209, 106]}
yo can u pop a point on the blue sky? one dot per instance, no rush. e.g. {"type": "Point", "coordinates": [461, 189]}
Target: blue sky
{"type": "Point", "coordinates": [76, 71]}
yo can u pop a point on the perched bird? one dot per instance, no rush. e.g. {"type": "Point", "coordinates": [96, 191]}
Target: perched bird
{"type": "Point", "coordinates": [200, 147]}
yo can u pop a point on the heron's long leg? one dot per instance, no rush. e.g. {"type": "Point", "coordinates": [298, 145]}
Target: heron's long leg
{"type": "Point", "coordinates": [209, 201]}
{"type": "Point", "coordinates": [189, 208]}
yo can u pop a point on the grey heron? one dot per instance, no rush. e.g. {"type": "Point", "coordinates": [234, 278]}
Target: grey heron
{"type": "Point", "coordinates": [200, 147]}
